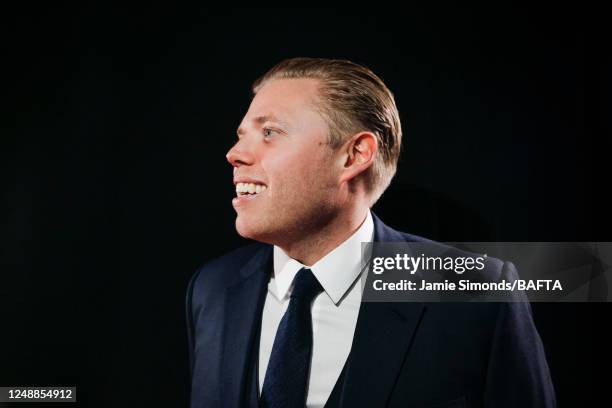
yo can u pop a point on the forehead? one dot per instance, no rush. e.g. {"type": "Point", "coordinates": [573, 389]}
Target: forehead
{"type": "Point", "coordinates": [285, 99]}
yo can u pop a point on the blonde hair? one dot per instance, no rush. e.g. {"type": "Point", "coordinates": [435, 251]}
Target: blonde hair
{"type": "Point", "coordinates": [354, 100]}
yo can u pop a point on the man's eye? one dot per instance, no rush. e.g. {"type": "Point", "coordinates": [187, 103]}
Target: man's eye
{"type": "Point", "coordinates": [268, 132]}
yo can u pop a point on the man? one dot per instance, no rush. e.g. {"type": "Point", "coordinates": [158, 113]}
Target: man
{"type": "Point", "coordinates": [280, 323]}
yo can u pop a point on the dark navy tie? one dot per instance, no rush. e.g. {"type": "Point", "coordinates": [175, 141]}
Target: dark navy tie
{"type": "Point", "coordinates": [287, 373]}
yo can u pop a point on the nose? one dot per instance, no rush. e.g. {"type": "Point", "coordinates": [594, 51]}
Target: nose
{"type": "Point", "coordinates": [239, 155]}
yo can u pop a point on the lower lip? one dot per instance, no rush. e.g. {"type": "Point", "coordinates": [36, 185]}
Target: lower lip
{"type": "Point", "coordinates": [244, 199]}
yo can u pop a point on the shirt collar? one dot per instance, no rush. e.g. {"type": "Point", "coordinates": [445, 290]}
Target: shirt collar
{"type": "Point", "coordinates": [336, 271]}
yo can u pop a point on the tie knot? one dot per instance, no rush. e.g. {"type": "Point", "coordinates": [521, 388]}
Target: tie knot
{"type": "Point", "coordinates": [305, 285]}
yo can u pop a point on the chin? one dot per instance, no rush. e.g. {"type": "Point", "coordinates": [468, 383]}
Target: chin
{"type": "Point", "coordinates": [255, 232]}
{"type": "Point", "coordinates": [243, 229]}
{"type": "Point", "coordinates": [247, 230]}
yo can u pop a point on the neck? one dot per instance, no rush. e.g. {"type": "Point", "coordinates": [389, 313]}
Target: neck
{"type": "Point", "coordinates": [315, 245]}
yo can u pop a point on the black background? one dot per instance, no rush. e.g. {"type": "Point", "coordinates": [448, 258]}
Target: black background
{"type": "Point", "coordinates": [116, 185]}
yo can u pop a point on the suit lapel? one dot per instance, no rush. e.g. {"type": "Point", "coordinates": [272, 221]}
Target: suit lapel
{"type": "Point", "coordinates": [243, 306]}
{"type": "Point", "coordinates": [383, 336]}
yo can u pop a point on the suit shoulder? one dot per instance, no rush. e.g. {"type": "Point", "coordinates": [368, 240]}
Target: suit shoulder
{"type": "Point", "coordinates": [221, 271]}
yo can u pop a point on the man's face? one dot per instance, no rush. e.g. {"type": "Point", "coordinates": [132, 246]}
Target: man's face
{"type": "Point", "coordinates": [282, 147]}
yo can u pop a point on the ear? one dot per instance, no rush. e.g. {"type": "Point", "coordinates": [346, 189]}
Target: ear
{"type": "Point", "coordinates": [358, 154]}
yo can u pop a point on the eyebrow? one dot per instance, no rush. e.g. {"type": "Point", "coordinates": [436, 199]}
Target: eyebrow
{"type": "Point", "coordinates": [261, 120]}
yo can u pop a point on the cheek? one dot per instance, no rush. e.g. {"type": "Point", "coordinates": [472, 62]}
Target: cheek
{"type": "Point", "coordinates": [300, 173]}
{"type": "Point", "coordinates": [285, 169]}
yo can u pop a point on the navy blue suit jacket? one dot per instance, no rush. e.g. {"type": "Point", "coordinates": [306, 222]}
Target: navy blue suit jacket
{"type": "Point", "coordinates": [403, 354]}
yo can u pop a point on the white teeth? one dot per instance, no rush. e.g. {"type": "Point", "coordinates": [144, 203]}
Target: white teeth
{"type": "Point", "coordinates": [250, 188]}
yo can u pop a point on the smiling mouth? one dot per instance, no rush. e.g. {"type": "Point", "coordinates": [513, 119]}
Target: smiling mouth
{"type": "Point", "coordinates": [249, 189]}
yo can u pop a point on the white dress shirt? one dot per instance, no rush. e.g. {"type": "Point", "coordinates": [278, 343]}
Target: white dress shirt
{"type": "Point", "coordinates": [334, 311]}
